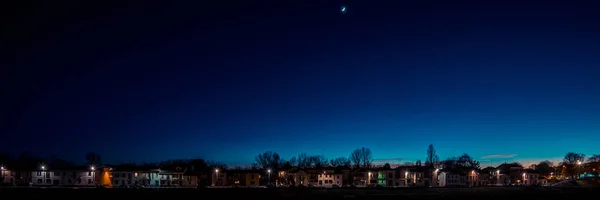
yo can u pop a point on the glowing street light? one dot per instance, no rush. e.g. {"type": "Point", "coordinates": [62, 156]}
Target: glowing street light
{"type": "Point", "coordinates": [579, 162]}
{"type": "Point", "coordinates": [269, 173]}
{"type": "Point", "coordinates": [1, 168]}
{"type": "Point", "coordinates": [43, 167]}
{"type": "Point", "coordinates": [92, 168]}
{"type": "Point", "coordinates": [216, 175]}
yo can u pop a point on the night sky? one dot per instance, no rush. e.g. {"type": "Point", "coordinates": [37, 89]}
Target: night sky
{"type": "Point", "coordinates": [145, 81]}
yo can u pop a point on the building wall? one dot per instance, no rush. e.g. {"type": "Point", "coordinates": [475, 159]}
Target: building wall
{"type": "Point", "coordinates": [189, 181]}
{"type": "Point", "coordinates": [7, 176]}
{"type": "Point", "coordinates": [46, 178]}
{"type": "Point", "coordinates": [329, 179]}
{"type": "Point", "coordinates": [451, 180]}
{"type": "Point", "coordinates": [252, 179]}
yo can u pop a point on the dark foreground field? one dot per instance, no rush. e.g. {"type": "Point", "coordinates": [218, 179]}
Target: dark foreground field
{"type": "Point", "coordinates": [305, 194]}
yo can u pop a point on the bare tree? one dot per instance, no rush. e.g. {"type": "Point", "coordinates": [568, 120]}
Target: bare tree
{"type": "Point", "coordinates": [355, 158]}
{"type": "Point", "coordinates": [594, 158]}
{"type": "Point", "coordinates": [362, 157]}
{"type": "Point", "coordinates": [317, 161]}
{"type": "Point", "coordinates": [303, 160]}
{"type": "Point", "coordinates": [340, 161]}
{"type": "Point", "coordinates": [293, 161]}
{"type": "Point", "coordinates": [432, 157]}
{"type": "Point", "coordinates": [268, 159]}
{"type": "Point", "coordinates": [573, 158]}
{"type": "Point", "coordinates": [93, 158]}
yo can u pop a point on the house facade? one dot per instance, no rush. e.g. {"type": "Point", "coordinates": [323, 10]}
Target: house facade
{"type": "Point", "coordinates": [451, 179]}
{"type": "Point", "coordinates": [328, 179]}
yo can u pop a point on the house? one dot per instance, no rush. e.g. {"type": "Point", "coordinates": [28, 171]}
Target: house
{"type": "Point", "coordinates": [190, 179]}
{"type": "Point", "coordinates": [45, 177]}
{"type": "Point", "coordinates": [452, 178]}
{"type": "Point", "coordinates": [123, 177]}
{"type": "Point", "coordinates": [530, 177]}
{"type": "Point", "coordinates": [166, 178]}
{"type": "Point", "coordinates": [387, 178]}
{"type": "Point", "coordinates": [363, 177]}
{"type": "Point", "coordinates": [7, 177]}
{"type": "Point", "coordinates": [477, 178]}
{"type": "Point", "coordinates": [417, 176]}
{"type": "Point", "coordinates": [297, 176]}
{"type": "Point", "coordinates": [313, 176]}
{"type": "Point", "coordinates": [512, 173]}
{"type": "Point", "coordinates": [219, 177]}
{"type": "Point", "coordinates": [486, 176]}
{"type": "Point", "coordinates": [244, 177]}
{"type": "Point", "coordinates": [282, 177]}
{"type": "Point", "coordinates": [328, 178]}
{"type": "Point", "coordinates": [103, 176]}
{"type": "Point", "coordinates": [82, 176]}
{"type": "Point", "coordinates": [127, 176]}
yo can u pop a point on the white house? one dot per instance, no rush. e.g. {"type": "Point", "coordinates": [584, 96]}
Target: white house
{"type": "Point", "coordinates": [329, 178]}
{"type": "Point", "coordinates": [530, 177]}
{"type": "Point", "coordinates": [45, 177]}
{"type": "Point", "coordinates": [448, 179]}
{"type": "Point", "coordinates": [80, 176]}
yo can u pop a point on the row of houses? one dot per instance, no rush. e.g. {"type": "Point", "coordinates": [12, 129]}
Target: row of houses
{"type": "Point", "coordinates": [95, 176]}
{"type": "Point", "coordinates": [402, 176]}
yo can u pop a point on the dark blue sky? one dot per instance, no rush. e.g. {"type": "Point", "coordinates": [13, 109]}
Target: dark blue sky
{"type": "Point", "coordinates": [138, 81]}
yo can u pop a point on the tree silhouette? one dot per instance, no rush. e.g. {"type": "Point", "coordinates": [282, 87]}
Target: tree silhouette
{"type": "Point", "coordinates": [594, 158]}
{"type": "Point", "coordinates": [418, 163]}
{"type": "Point", "coordinates": [467, 161]}
{"type": "Point", "coordinates": [544, 168]}
{"type": "Point", "coordinates": [303, 160]}
{"type": "Point", "coordinates": [362, 157]}
{"type": "Point", "coordinates": [93, 158]}
{"type": "Point", "coordinates": [432, 157]}
{"type": "Point", "coordinates": [340, 161]}
{"type": "Point", "coordinates": [387, 166]}
{"type": "Point", "coordinates": [268, 160]}
{"type": "Point", "coordinates": [573, 158]}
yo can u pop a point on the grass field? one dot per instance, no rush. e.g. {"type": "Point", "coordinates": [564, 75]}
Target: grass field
{"type": "Point", "coordinates": [305, 194]}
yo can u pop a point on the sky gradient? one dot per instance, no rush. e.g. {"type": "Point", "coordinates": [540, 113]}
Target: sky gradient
{"type": "Point", "coordinates": [146, 82]}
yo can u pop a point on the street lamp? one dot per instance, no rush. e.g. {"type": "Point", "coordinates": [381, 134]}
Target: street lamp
{"type": "Point", "coordinates": [216, 176]}
{"type": "Point", "coordinates": [93, 169]}
{"type": "Point", "coordinates": [269, 180]}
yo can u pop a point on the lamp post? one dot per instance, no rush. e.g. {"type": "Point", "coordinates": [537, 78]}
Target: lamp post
{"type": "Point", "coordinates": [269, 177]}
{"type": "Point", "coordinates": [216, 176]}
{"type": "Point", "coordinates": [93, 169]}
{"type": "Point", "coordinates": [43, 171]}
{"type": "Point", "coordinates": [578, 169]}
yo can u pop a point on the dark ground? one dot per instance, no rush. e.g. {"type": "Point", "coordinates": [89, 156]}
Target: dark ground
{"type": "Point", "coordinates": [305, 194]}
